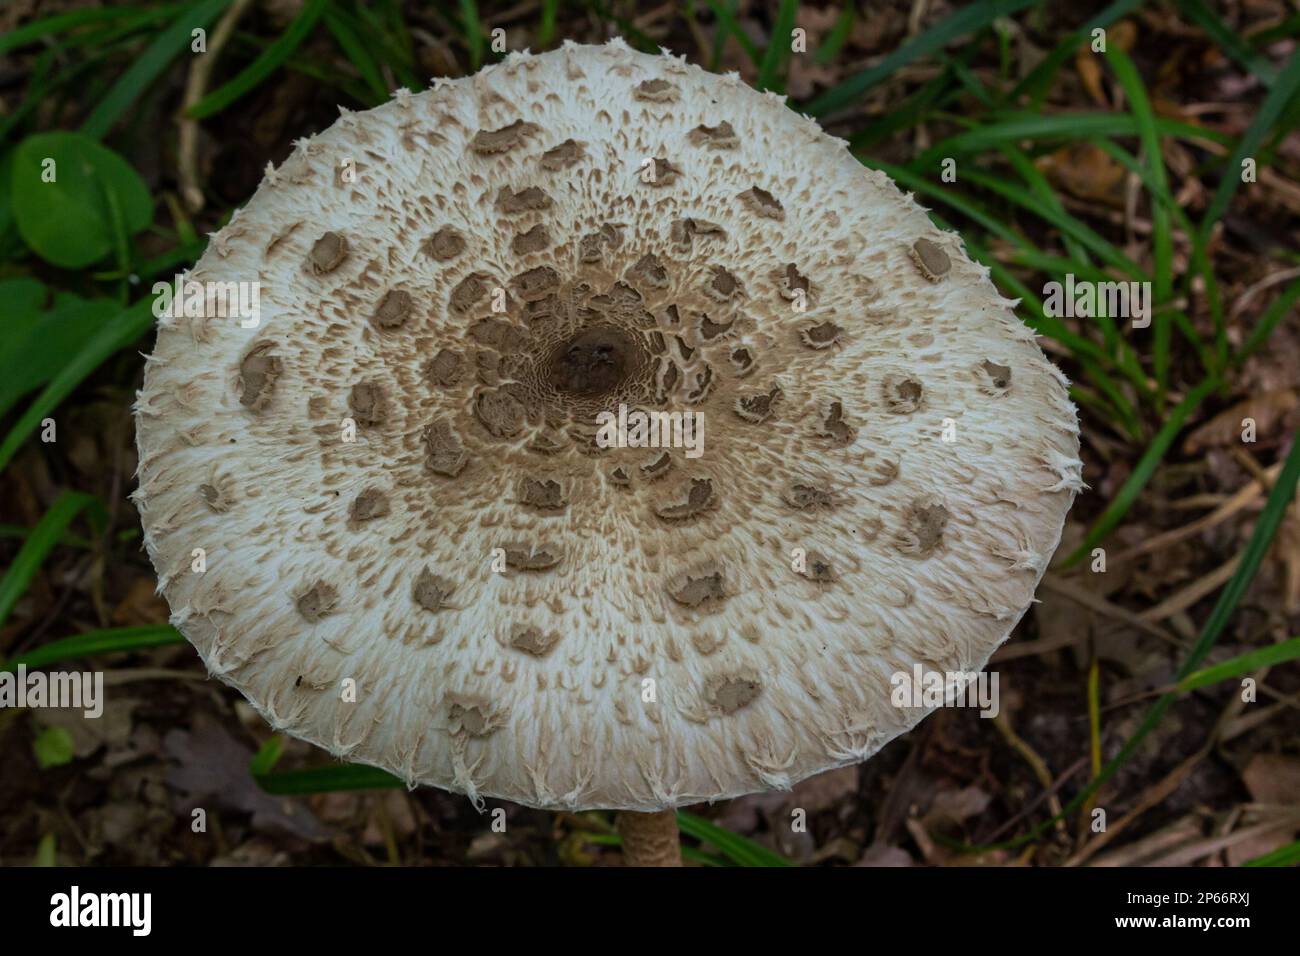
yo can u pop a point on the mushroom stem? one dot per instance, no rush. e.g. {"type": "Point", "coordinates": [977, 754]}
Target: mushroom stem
{"type": "Point", "coordinates": [650, 839]}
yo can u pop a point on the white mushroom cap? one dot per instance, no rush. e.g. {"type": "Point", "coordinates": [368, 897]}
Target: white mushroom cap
{"type": "Point", "coordinates": [526, 615]}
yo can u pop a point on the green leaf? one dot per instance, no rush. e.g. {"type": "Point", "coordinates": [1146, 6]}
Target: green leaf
{"type": "Point", "coordinates": [270, 59]}
{"type": "Point", "coordinates": [37, 342]}
{"type": "Point", "coordinates": [150, 64]}
{"type": "Point", "coordinates": [350, 776]}
{"type": "Point", "coordinates": [734, 847]}
{"type": "Point", "coordinates": [112, 640]}
{"type": "Point", "coordinates": [1242, 664]}
{"type": "Point", "coordinates": [41, 542]}
{"type": "Point", "coordinates": [966, 20]}
{"type": "Point", "coordinates": [69, 222]}
{"type": "Point", "coordinates": [53, 748]}
{"type": "Point", "coordinates": [120, 331]}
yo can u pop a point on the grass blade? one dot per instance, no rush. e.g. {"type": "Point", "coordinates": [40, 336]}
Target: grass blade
{"type": "Point", "coordinates": [1162, 237]}
{"type": "Point", "coordinates": [734, 847]}
{"type": "Point", "coordinates": [1242, 664]}
{"type": "Point", "coordinates": [150, 65]}
{"type": "Point", "coordinates": [966, 20]}
{"type": "Point", "coordinates": [1013, 127]}
{"type": "Point", "coordinates": [262, 67]}
{"type": "Point", "coordinates": [41, 541]}
{"type": "Point", "coordinates": [778, 48]}
{"type": "Point", "coordinates": [1279, 500]}
{"type": "Point", "coordinates": [1228, 40]}
{"type": "Point", "coordinates": [1127, 496]}
{"type": "Point", "coordinates": [1278, 99]}
{"type": "Point", "coordinates": [473, 27]}
{"type": "Point", "coordinates": [728, 27]}
{"type": "Point", "coordinates": [1268, 320]}
{"type": "Point", "coordinates": [351, 776]}
{"type": "Point", "coordinates": [357, 55]}
{"type": "Point", "coordinates": [109, 641]}
{"type": "Point", "coordinates": [119, 332]}
{"type": "Point", "coordinates": [1288, 855]}
{"type": "Point", "coordinates": [62, 23]}
{"type": "Point", "coordinates": [1038, 82]}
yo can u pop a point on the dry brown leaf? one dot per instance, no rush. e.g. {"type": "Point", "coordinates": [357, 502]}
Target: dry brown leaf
{"type": "Point", "coordinates": [141, 605]}
{"type": "Point", "coordinates": [1273, 778]}
{"type": "Point", "coordinates": [1085, 171]}
{"type": "Point", "coordinates": [1225, 428]}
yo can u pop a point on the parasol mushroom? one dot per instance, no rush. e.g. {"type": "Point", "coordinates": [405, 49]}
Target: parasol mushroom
{"type": "Point", "coordinates": [397, 481]}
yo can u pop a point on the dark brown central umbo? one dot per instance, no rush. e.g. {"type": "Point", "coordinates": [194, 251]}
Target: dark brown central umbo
{"type": "Point", "coordinates": [593, 362]}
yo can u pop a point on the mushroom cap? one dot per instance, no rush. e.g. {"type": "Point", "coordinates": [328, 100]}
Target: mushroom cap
{"type": "Point", "coordinates": [420, 557]}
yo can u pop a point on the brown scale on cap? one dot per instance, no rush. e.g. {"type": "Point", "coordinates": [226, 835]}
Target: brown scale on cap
{"type": "Point", "coordinates": [834, 427]}
{"type": "Point", "coordinates": [757, 408]}
{"type": "Point", "coordinates": [489, 142]}
{"type": "Point", "coordinates": [468, 292]}
{"type": "Point", "coordinates": [370, 504]}
{"type": "Point", "coordinates": [761, 202]}
{"type": "Point", "coordinates": [445, 368]}
{"type": "Point", "coordinates": [729, 694]}
{"type": "Point", "coordinates": [656, 91]}
{"type": "Point", "coordinates": [562, 156]}
{"type": "Point", "coordinates": [593, 245]}
{"type": "Point", "coordinates": [431, 591]}
{"type": "Point", "coordinates": [533, 640]}
{"type": "Point", "coordinates": [316, 602]}
{"type": "Point", "coordinates": [721, 136]}
{"type": "Point", "coordinates": [369, 403]}
{"type": "Point", "coordinates": [930, 259]}
{"type": "Point", "coordinates": [923, 527]}
{"type": "Point", "coordinates": [699, 498]}
{"type": "Point", "coordinates": [702, 586]}
{"type": "Point", "coordinates": [394, 309]}
{"type": "Point", "coordinates": [532, 557]}
{"type": "Point", "coordinates": [445, 244]}
{"type": "Point", "coordinates": [994, 379]}
{"type": "Point", "coordinates": [500, 285]}
{"type": "Point", "coordinates": [683, 232]}
{"type": "Point", "coordinates": [820, 336]}
{"type": "Point", "coordinates": [818, 568]}
{"type": "Point", "coordinates": [327, 253]}
{"type": "Point", "coordinates": [535, 239]}
{"type": "Point", "coordinates": [660, 172]}
{"type": "Point", "coordinates": [903, 394]}
{"type": "Point", "coordinates": [530, 199]}
{"type": "Point", "coordinates": [444, 453]}
{"type": "Point", "coordinates": [544, 495]}
{"type": "Point", "coordinates": [257, 374]}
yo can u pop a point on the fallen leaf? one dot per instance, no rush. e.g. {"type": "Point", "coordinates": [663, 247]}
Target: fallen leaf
{"type": "Point", "coordinates": [1273, 778]}
{"type": "Point", "coordinates": [1268, 409]}
{"type": "Point", "coordinates": [212, 766]}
